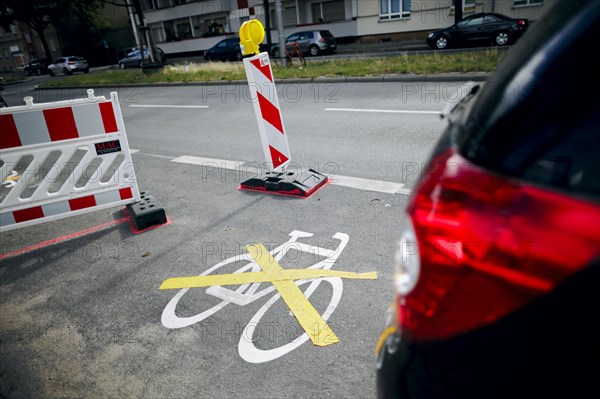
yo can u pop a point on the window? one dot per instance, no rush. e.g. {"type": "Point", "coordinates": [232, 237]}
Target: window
{"type": "Point", "coordinates": [183, 29]}
{"type": "Point", "coordinates": [328, 11]}
{"type": "Point", "coordinates": [468, 6]}
{"type": "Point", "coordinates": [158, 34]}
{"type": "Point", "coordinates": [13, 29]}
{"type": "Point", "coordinates": [158, 4]}
{"type": "Point", "coordinates": [306, 35]}
{"type": "Point", "coordinates": [518, 3]}
{"type": "Point", "coordinates": [393, 9]}
{"type": "Point", "coordinates": [470, 22]}
{"type": "Point", "coordinates": [289, 16]}
{"type": "Point", "coordinates": [208, 25]}
{"type": "Point", "coordinates": [490, 19]}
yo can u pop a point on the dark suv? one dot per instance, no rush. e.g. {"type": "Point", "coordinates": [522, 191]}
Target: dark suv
{"type": "Point", "coordinates": [498, 268]}
{"type": "Point", "coordinates": [36, 66]}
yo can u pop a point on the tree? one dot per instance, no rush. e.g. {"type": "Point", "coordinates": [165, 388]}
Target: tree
{"type": "Point", "coordinates": [140, 25]}
{"type": "Point", "coordinates": [39, 14]}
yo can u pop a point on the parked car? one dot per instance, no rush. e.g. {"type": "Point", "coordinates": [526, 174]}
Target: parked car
{"type": "Point", "coordinates": [479, 29]}
{"type": "Point", "coordinates": [134, 59]}
{"type": "Point", "coordinates": [498, 268]}
{"type": "Point", "coordinates": [312, 42]}
{"type": "Point", "coordinates": [225, 50]}
{"type": "Point", "coordinates": [68, 65]}
{"type": "Point", "coordinates": [39, 66]}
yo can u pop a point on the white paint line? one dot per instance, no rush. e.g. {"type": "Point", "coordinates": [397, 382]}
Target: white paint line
{"type": "Point", "coordinates": [166, 106]}
{"type": "Point", "coordinates": [385, 111]}
{"type": "Point", "coordinates": [379, 186]}
{"type": "Point", "coordinates": [157, 156]}
{"type": "Point", "coordinates": [133, 150]}
{"type": "Point", "coordinates": [219, 163]}
{"type": "Point", "coordinates": [357, 183]}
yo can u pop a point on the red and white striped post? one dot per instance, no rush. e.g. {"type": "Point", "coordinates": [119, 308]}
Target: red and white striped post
{"type": "Point", "coordinates": [270, 123]}
{"type": "Point", "coordinates": [268, 112]}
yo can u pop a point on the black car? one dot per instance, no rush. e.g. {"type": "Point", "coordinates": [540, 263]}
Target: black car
{"type": "Point", "coordinates": [133, 59]}
{"type": "Point", "coordinates": [479, 29]}
{"type": "Point", "coordinates": [36, 66]}
{"type": "Point", "coordinates": [498, 267]}
{"type": "Point", "coordinates": [225, 50]}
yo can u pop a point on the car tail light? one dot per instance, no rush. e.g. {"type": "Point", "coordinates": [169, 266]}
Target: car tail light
{"type": "Point", "coordinates": [322, 40]}
{"type": "Point", "coordinates": [483, 246]}
{"type": "Point", "coordinates": [522, 23]}
{"type": "Point", "coordinates": [71, 63]}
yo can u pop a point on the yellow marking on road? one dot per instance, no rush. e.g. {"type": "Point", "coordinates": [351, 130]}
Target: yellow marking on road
{"type": "Point", "coordinates": [259, 277]}
{"type": "Point", "coordinates": [311, 321]}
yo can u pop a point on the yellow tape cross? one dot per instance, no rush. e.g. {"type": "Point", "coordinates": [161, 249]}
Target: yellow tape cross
{"type": "Point", "coordinates": [311, 321]}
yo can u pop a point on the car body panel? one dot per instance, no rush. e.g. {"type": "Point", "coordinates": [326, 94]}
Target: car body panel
{"type": "Point", "coordinates": [322, 40]}
{"type": "Point", "coordinates": [133, 58]}
{"type": "Point", "coordinates": [480, 29]}
{"type": "Point", "coordinates": [225, 50]}
{"type": "Point", "coordinates": [68, 65]}
{"type": "Point", "coordinates": [39, 66]}
{"type": "Point", "coordinates": [533, 125]}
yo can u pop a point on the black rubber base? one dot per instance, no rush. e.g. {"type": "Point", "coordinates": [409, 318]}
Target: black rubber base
{"type": "Point", "coordinates": [146, 213]}
{"type": "Point", "coordinates": [298, 184]}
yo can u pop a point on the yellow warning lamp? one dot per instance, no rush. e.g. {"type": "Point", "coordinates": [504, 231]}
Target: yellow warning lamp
{"type": "Point", "coordinates": [252, 34]}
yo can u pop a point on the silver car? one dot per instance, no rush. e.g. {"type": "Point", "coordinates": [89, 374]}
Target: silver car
{"type": "Point", "coordinates": [68, 65]}
{"type": "Point", "coordinates": [313, 42]}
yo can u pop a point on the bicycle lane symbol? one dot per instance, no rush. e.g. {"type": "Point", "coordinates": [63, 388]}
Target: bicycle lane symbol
{"type": "Point", "coordinates": [255, 272]}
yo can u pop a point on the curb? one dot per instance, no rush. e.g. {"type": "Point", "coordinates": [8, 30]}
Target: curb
{"type": "Point", "coordinates": [438, 78]}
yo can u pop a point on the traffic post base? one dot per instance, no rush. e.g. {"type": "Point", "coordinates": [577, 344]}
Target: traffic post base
{"type": "Point", "coordinates": [298, 184]}
{"type": "Point", "coordinates": [147, 212]}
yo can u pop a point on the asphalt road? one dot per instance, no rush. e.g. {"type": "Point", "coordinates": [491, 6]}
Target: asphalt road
{"type": "Point", "coordinates": [85, 318]}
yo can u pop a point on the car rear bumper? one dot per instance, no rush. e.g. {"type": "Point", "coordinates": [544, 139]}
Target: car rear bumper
{"type": "Point", "coordinates": [541, 351]}
{"type": "Point", "coordinates": [327, 46]}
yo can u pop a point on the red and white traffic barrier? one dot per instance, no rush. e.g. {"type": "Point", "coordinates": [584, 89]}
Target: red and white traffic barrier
{"type": "Point", "coordinates": [62, 159]}
{"type": "Point", "coordinates": [267, 110]}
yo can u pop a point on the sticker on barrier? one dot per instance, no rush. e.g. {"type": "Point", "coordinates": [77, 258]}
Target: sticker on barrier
{"type": "Point", "coordinates": [63, 158]}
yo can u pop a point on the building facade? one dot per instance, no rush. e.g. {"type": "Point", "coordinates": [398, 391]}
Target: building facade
{"type": "Point", "coordinates": [183, 26]}
{"type": "Point", "coordinates": [20, 44]}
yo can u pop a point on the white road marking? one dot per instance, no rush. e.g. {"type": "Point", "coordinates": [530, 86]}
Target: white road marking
{"type": "Point", "coordinates": [220, 163]}
{"type": "Point", "coordinates": [248, 293]}
{"type": "Point", "coordinates": [156, 156]}
{"type": "Point", "coordinates": [357, 183]}
{"type": "Point", "coordinates": [379, 186]}
{"type": "Point", "coordinates": [166, 106]}
{"type": "Point", "coordinates": [385, 111]}
{"type": "Point", "coordinates": [133, 150]}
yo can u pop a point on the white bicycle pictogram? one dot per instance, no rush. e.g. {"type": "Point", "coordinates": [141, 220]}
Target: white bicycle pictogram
{"type": "Point", "coordinates": [248, 293]}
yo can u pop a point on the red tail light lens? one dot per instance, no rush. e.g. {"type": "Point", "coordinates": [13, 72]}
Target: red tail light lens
{"type": "Point", "coordinates": [322, 40]}
{"type": "Point", "coordinates": [487, 246]}
{"type": "Point", "coordinates": [521, 23]}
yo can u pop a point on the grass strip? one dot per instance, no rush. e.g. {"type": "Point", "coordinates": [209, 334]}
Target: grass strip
{"type": "Point", "coordinates": [482, 61]}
